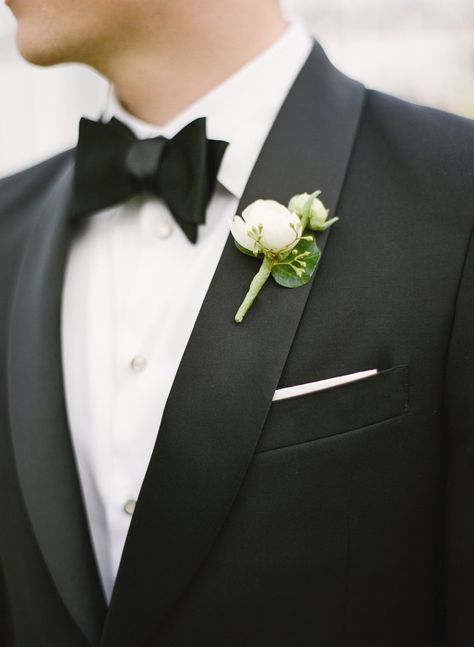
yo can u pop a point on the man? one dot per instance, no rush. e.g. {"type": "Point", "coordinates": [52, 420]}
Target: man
{"type": "Point", "coordinates": [342, 516]}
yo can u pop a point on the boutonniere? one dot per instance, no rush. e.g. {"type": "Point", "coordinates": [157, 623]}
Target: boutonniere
{"type": "Point", "coordinates": [282, 237]}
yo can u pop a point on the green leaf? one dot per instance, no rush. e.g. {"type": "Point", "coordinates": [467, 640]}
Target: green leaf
{"type": "Point", "coordinates": [284, 271]}
{"type": "Point", "coordinates": [246, 251]}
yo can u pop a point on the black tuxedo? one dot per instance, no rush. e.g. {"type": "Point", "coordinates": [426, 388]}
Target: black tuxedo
{"type": "Point", "coordinates": [340, 518]}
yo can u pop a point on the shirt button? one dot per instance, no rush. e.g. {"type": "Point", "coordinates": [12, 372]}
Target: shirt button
{"type": "Point", "coordinates": [129, 506]}
{"type": "Point", "coordinates": [138, 363]}
{"type": "Point", "coordinates": [163, 230]}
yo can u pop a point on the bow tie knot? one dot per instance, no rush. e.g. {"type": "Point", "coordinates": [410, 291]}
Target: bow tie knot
{"type": "Point", "coordinates": [142, 162]}
{"type": "Point", "coordinates": [112, 165]}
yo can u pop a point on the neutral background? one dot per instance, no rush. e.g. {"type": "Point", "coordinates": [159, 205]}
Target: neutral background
{"type": "Point", "coordinates": [421, 50]}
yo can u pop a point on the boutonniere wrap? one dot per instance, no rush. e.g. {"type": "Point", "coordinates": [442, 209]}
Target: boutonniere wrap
{"type": "Point", "coordinates": [283, 238]}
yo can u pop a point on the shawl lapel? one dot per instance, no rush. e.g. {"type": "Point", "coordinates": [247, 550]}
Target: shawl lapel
{"type": "Point", "coordinates": [225, 383]}
{"type": "Point", "coordinates": [38, 419]}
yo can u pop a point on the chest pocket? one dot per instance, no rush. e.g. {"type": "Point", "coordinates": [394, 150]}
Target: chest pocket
{"type": "Point", "coordinates": [336, 410]}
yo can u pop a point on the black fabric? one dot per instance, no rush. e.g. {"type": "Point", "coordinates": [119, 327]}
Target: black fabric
{"type": "Point", "coordinates": [6, 637]}
{"type": "Point", "coordinates": [112, 165]}
{"type": "Point", "coordinates": [458, 414]}
{"type": "Point", "coordinates": [270, 523]}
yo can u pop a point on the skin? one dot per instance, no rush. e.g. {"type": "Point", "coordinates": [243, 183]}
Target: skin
{"type": "Point", "coordinates": [161, 55]}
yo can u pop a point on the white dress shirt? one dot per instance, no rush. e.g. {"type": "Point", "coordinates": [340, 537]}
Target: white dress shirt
{"type": "Point", "coordinates": [133, 288]}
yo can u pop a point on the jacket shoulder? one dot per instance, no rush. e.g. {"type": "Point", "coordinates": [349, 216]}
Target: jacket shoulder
{"type": "Point", "coordinates": [19, 189]}
{"type": "Point", "coordinates": [428, 134]}
{"type": "Point", "coordinates": [424, 153]}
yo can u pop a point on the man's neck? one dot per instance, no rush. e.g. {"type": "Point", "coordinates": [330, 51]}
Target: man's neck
{"type": "Point", "coordinates": [157, 79]}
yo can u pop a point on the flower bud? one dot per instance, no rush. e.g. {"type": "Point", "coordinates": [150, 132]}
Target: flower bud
{"type": "Point", "coordinates": [318, 214]}
{"type": "Point", "coordinates": [298, 203]}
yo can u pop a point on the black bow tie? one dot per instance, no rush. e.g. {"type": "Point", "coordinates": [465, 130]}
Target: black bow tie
{"type": "Point", "coordinates": [112, 165]}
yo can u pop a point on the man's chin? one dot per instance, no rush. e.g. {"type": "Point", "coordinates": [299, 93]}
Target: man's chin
{"type": "Point", "coordinates": [37, 50]}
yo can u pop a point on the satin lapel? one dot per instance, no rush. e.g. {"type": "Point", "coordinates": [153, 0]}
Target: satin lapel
{"type": "Point", "coordinates": [40, 431]}
{"type": "Point", "coordinates": [226, 379]}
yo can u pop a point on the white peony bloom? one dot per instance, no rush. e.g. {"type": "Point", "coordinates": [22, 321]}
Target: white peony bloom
{"type": "Point", "coordinates": [266, 225]}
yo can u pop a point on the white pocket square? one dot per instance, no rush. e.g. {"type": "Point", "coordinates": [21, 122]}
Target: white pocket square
{"type": "Point", "coordinates": [320, 385]}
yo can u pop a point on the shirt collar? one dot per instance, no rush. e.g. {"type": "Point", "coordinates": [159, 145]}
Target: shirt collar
{"type": "Point", "coordinates": [240, 110]}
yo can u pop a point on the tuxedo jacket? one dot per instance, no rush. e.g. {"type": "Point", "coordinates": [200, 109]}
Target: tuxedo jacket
{"type": "Point", "coordinates": [340, 518]}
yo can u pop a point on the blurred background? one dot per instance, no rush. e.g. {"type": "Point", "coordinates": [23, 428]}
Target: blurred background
{"type": "Point", "coordinates": [420, 50]}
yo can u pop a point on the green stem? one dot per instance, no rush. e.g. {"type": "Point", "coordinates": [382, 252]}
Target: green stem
{"type": "Point", "coordinates": [256, 285]}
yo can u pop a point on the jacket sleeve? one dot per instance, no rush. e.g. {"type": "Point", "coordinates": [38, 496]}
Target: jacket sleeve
{"type": "Point", "coordinates": [458, 561]}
